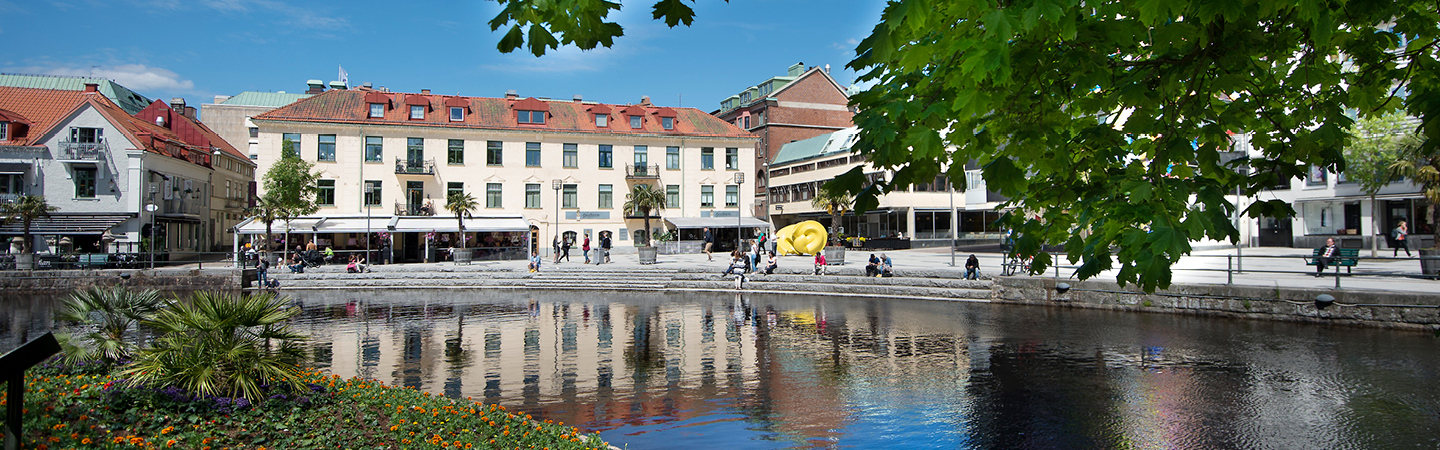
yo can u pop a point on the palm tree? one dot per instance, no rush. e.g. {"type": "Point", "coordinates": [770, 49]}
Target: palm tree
{"type": "Point", "coordinates": [113, 312]}
{"type": "Point", "coordinates": [267, 213]}
{"type": "Point", "coordinates": [1421, 164]}
{"type": "Point", "coordinates": [833, 201]}
{"type": "Point", "coordinates": [644, 198]}
{"type": "Point", "coordinates": [461, 204]}
{"type": "Point", "coordinates": [221, 344]}
{"type": "Point", "coordinates": [26, 209]}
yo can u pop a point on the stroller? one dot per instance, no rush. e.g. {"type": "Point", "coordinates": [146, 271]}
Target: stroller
{"type": "Point", "coordinates": [313, 258]}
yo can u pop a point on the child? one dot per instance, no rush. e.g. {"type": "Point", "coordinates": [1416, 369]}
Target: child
{"type": "Point", "coordinates": [820, 263]}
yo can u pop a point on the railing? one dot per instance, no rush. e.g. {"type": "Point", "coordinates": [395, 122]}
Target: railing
{"type": "Point", "coordinates": [642, 171]}
{"type": "Point", "coordinates": [414, 167]}
{"type": "Point", "coordinates": [9, 198]}
{"type": "Point", "coordinates": [414, 209]}
{"type": "Point", "coordinates": [83, 151]}
{"type": "Point", "coordinates": [1269, 265]}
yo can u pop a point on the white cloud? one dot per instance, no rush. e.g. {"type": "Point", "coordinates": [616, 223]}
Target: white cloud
{"type": "Point", "coordinates": [565, 59]}
{"type": "Point", "coordinates": [137, 77]}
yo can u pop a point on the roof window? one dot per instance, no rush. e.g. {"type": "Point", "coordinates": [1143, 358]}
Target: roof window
{"type": "Point", "coordinates": [530, 117]}
{"type": "Point", "coordinates": [377, 110]}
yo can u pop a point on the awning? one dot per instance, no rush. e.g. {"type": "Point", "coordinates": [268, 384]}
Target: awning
{"type": "Point", "coordinates": [350, 224]}
{"type": "Point", "coordinates": [57, 223]}
{"type": "Point", "coordinates": [316, 225]}
{"type": "Point", "coordinates": [716, 222]}
{"type": "Point", "coordinates": [472, 224]}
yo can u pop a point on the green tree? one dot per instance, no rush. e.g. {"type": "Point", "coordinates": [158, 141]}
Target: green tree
{"type": "Point", "coordinates": [222, 345]}
{"type": "Point", "coordinates": [26, 209]}
{"type": "Point", "coordinates": [644, 198]}
{"type": "Point", "coordinates": [1374, 148]}
{"type": "Point", "coordinates": [461, 204]}
{"type": "Point", "coordinates": [1107, 117]}
{"type": "Point", "coordinates": [836, 202]}
{"type": "Point", "coordinates": [290, 189]}
{"type": "Point", "coordinates": [107, 315]}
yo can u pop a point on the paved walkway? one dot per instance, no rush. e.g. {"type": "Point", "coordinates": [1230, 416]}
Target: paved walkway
{"type": "Point", "coordinates": [1270, 267]}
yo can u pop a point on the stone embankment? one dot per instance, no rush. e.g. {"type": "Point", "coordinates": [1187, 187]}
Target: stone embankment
{"type": "Point", "coordinates": [168, 280]}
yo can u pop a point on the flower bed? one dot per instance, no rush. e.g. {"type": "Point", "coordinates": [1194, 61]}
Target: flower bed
{"type": "Point", "coordinates": [72, 407]}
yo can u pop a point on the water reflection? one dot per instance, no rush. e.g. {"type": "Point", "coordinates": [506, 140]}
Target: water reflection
{"type": "Point", "coordinates": [715, 371]}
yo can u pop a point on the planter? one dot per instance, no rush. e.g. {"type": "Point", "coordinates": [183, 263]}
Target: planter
{"type": "Point", "coordinates": [647, 254]}
{"type": "Point", "coordinates": [668, 247]}
{"type": "Point", "coordinates": [463, 255]}
{"type": "Point", "coordinates": [25, 261]}
{"type": "Point", "coordinates": [834, 256]}
{"type": "Point", "coordinates": [1429, 262]}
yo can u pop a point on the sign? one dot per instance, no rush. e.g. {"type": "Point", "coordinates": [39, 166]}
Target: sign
{"type": "Point", "coordinates": [574, 215]}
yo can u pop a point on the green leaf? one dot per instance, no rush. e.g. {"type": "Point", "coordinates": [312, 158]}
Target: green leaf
{"type": "Point", "coordinates": [673, 12]}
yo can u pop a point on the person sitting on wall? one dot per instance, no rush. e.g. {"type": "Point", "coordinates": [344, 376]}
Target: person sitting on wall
{"type": "Point", "coordinates": [738, 261]}
{"type": "Point", "coordinates": [886, 269]}
{"type": "Point", "coordinates": [534, 261]}
{"type": "Point", "coordinates": [872, 267]}
{"type": "Point", "coordinates": [297, 265]}
{"type": "Point", "coordinates": [771, 263]}
{"type": "Point", "coordinates": [820, 263]}
{"type": "Point", "coordinates": [972, 268]}
{"type": "Point", "coordinates": [329, 254]}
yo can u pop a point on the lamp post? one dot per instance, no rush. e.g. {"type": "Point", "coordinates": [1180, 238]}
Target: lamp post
{"type": "Point", "coordinates": [152, 208]}
{"type": "Point", "coordinates": [556, 184]}
{"type": "Point", "coordinates": [739, 183]}
{"type": "Point", "coordinates": [369, 191]}
{"type": "Point", "coordinates": [950, 188]}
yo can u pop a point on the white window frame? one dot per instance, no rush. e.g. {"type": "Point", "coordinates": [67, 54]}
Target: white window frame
{"type": "Point", "coordinates": [377, 110]}
{"type": "Point", "coordinates": [417, 112]}
{"type": "Point", "coordinates": [637, 122]}
{"type": "Point", "coordinates": [457, 114]}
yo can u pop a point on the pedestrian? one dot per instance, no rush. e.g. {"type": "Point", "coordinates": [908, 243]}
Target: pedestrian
{"type": "Point", "coordinates": [534, 261]}
{"type": "Point", "coordinates": [586, 248]}
{"type": "Point", "coordinates": [262, 271]}
{"type": "Point", "coordinates": [819, 263]}
{"type": "Point", "coordinates": [565, 249]}
{"type": "Point", "coordinates": [1327, 257]}
{"type": "Point", "coordinates": [311, 246]}
{"type": "Point", "coordinates": [709, 241]}
{"type": "Point", "coordinates": [1398, 235]}
{"type": "Point", "coordinates": [771, 263]}
{"type": "Point", "coordinates": [604, 246]}
{"type": "Point", "coordinates": [755, 254]}
{"type": "Point", "coordinates": [972, 268]}
{"type": "Point", "coordinates": [555, 249]}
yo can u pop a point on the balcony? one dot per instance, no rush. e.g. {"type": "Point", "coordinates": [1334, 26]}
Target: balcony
{"type": "Point", "coordinates": [414, 209]}
{"type": "Point", "coordinates": [414, 167]}
{"type": "Point", "coordinates": [82, 151]}
{"type": "Point", "coordinates": [642, 172]}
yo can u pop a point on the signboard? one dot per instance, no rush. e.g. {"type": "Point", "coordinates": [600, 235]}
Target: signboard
{"type": "Point", "coordinates": [574, 215]}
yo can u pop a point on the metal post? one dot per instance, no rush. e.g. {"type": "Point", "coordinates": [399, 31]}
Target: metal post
{"type": "Point", "coordinates": [556, 184]}
{"type": "Point", "coordinates": [739, 184]}
{"type": "Point", "coordinates": [14, 409]}
{"type": "Point", "coordinates": [951, 189]}
{"type": "Point", "coordinates": [369, 190]}
{"type": "Point", "coordinates": [1229, 266]}
{"type": "Point", "coordinates": [1337, 276]}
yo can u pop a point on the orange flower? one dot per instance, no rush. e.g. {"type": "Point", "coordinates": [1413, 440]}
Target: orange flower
{"type": "Point", "coordinates": [170, 443]}
{"type": "Point", "coordinates": [85, 441]}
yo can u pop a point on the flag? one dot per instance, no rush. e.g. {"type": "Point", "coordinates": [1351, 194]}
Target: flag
{"type": "Point", "coordinates": [344, 77]}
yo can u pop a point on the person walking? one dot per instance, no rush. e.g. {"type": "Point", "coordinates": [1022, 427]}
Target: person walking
{"type": "Point", "coordinates": [1398, 235]}
{"type": "Point", "coordinates": [1327, 257]}
{"type": "Point", "coordinates": [262, 270]}
{"type": "Point", "coordinates": [604, 247]}
{"type": "Point", "coordinates": [565, 250]}
{"type": "Point", "coordinates": [709, 242]}
{"type": "Point", "coordinates": [972, 268]}
{"type": "Point", "coordinates": [555, 249]}
{"type": "Point", "coordinates": [586, 248]}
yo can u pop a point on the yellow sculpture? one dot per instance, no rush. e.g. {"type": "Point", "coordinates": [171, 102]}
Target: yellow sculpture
{"type": "Point", "coordinates": [804, 238]}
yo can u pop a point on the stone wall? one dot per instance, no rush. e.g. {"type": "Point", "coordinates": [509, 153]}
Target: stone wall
{"type": "Point", "coordinates": [183, 280]}
{"type": "Point", "coordinates": [1366, 308]}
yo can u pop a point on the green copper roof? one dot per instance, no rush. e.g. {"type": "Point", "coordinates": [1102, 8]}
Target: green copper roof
{"type": "Point", "coordinates": [269, 99]}
{"type": "Point", "coordinates": [127, 99]}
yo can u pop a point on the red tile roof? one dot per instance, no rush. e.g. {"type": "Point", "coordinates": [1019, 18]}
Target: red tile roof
{"type": "Point", "coordinates": [43, 107]}
{"type": "Point", "coordinates": [47, 108]}
{"type": "Point", "coordinates": [351, 107]}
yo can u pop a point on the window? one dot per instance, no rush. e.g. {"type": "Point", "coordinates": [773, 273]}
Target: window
{"type": "Point", "coordinates": [326, 194]}
{"type": "Point", "coordinates": [456, 155]}
{"type": "Point", "coordinates": [492, 195]}
{"type": "Point", "coordinates": [417, 112]}
{"type": "Point", "coordinates": [374, 149]}
{"type": "Point", "coordinates": [635, 121]}
{"type": "Point", "coordinates": [372, 192]}
{"type": "Point", "coordinates": [602, 120]}
{"type": "Point", "coordinates": [454, 187]}
{"type": "Point", "coordinates": [532, 154]}
{"type": "Point", "coordinates": [5, 130]}
{"type": "Point", "coordinates": [641, 157]}
{"type": "Point", "coordinates": [569, 197]}
{"type": "Point", "coordinates": [732, 196]}
{"type": "Point", "coordinates": [294, 139]}
{"type": "Point", "coordinates": [747, 122]}
{"type": "Point", "coordinates": [534, 117]}
{"type": "Point", "coordinates": [1317, 176]}
{"type": "Point", "coordinates": [457, 114]}
{"type": "Point", "coordinates": [415, 152]}
{"type": "Point", "coordinates": [606, 157]}
{"type": "Point", "coordinates": [667, 123]}
{"type": "Point", "coordinates": [707, 196]}
{"type": "Point", "coordinates": [494, 151]}
{"type": "Point", "coordinates": [325, 151]}
{"type": "Point", "coordinates": [732, 159]}
{"type": "Point", "coordinates": [571, 157]}
{"type": "Point", "coordinates": [672, 196]}
{"type": "Point", "coordinates": [85, 182]}
{"type": "Point", "coordinates": [532, 195]}
{"type": "Point", "coordinates": [707, 158]}
{"type": "Point", "coordinates": [377, 110]}
{"type": "Point", "coordinates": [254, 132]}
{"type": "Point", "coordinates": [672, 158]}
{"type": "Point", "coordinates": [607, 196]}
{"type": "Point", "coordinates": [92, 135]}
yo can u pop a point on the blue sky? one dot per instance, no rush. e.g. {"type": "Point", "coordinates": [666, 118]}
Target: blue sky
{"type": "Point", "coordinates": [199, 48]}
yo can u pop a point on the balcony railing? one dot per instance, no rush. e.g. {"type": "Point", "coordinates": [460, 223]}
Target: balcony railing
{"type": "Point", "coordinates": [642, 171]}
{"type": "Point", "coordinates": [83, 151]}
{"type": "Point", "coordinates": [414, 209]}
{"type": "Point", "coordinates": [414, 167]}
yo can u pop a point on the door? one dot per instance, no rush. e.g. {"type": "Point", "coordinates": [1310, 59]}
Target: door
{"type": "Point", "coordinates": [412, 247]}
{"type": "Point", "coordinates": [414, 196]}
{"type": "Point", "coordinates": [1275, 232]}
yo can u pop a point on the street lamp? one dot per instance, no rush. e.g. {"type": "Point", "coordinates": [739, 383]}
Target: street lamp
{"type": "Point", "coordinates": [739, 182]}
{"type": "Point", "coordinates": [556, 184]}
{"type": "Point", "coordinates": [369, 192]}
{"type": "Point", "coordinates": [152, 208]}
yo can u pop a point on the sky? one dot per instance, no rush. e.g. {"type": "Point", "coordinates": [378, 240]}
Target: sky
{"type": "Point", "coordinates": [197, 49]}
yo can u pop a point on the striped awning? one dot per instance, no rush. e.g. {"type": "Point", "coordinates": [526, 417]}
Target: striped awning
{"type": "Point", "coordinates": [60, 224]}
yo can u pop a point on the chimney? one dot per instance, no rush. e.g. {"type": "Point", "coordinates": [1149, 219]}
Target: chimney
{"type": "Point", "coordinates": [190, 112]}
{"type": "Point", "coordinates": [645, 100]}
{"type": "Point", "coordinates": [92, 87]}
{"type": "Point", "coordinates": [366, 85]}
{"type": "Point", "coordinates": [579, 98]}
{"type": "Point", "coordinates": [511, 94]}
{"type": "Point", "coordinates": [221, 99]}
{"type": "Point", "coordinates": [424, 92]}
{"type": "Point", "coordinates": [338, 85]}
{"type": "Point", "coordinates": [178, 104]}
{"type": "Point", "coordinates": [316, 86]}
{"type": "Point", "coordinates": [797, 69]}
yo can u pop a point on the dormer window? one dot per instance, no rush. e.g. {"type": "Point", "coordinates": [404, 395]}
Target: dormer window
{"type": "Point", "coordinates": [417, 112]}
{"type": "Point", "coordinates": [531, 117]}
{"type": "Point", "coordinates": [457, 114]}
{"type": "Point", "coordinates": [636, 121]}
{"type": "Point", "coordinates": [377, 110]}
{"type": "Point", "coordinates": [4, 131]}
{"type": "Point", "coordinates": [602, 120]}
{"type": "Point", "coordinates": [667, 122]}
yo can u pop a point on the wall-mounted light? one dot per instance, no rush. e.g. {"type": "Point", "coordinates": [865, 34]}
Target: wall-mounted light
{"type": "Point", "coordinates": [1323, 301]}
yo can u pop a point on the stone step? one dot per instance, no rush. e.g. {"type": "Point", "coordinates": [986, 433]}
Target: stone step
{"type": "Point", "coordinates": [842, 289]}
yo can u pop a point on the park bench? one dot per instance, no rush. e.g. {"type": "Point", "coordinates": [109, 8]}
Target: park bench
{"type": "Point", "coordinates": [1347, 257]}
{"type": "Point", "coordinates": [89, 260]}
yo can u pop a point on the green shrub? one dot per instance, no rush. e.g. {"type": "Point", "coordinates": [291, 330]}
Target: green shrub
{"type": "Point", "coordinates": [106, 317]}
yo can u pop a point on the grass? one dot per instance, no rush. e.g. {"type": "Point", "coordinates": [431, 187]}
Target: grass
{"type": "Point", "coordinates": [74, 407]}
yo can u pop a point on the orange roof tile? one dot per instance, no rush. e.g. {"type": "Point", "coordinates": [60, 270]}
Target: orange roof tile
{"type": "Point", "coordinates": [46, 108]}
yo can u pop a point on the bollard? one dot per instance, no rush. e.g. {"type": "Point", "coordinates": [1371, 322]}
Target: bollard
{"type": "Point", "coordinates": [1229, 266]}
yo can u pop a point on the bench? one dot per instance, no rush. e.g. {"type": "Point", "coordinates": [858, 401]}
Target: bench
{"type": "Point", "coordinates": [1347, 257]}
{"type": "Point", "coordinates": [88, 260]}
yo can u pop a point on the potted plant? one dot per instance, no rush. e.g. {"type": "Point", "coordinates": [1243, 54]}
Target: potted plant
{"type": "Point", "coordinates": [665, 242]}
{"type": "Point", "coordinates": [26, 209]}
{"type": "Point", "coordinates": [837, 203]}
{"type": "Point", "coordinates": [461, 204]}
{"type": "Point", "coordinates": [644, 198]}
